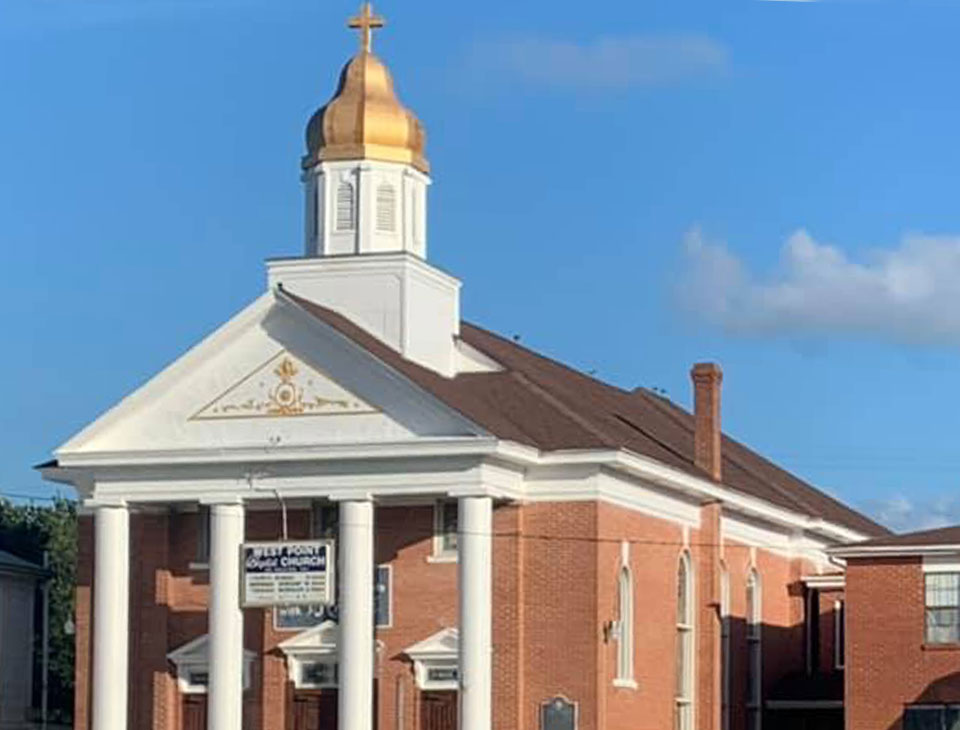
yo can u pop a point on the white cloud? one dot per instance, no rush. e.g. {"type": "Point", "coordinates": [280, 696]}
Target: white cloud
{"type": "Point", "coordinates": [904, 294]}
{"type": "Point", "coordinates": [607, 63]}
{"type": "Point", "coordinates": [901, 514]}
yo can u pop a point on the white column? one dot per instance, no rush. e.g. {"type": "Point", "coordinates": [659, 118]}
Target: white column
{"type": "Point", "coordinates": [225, 691]}
{"type": "Point", "coordinates": [475, 541]}
{"type": "Point", "coordinates": [356, 616]}
{"type": "Point", "coordinates": [111, 617]}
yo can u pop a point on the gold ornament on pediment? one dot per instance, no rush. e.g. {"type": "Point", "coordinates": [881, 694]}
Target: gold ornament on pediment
{"type": "Point", "coordinates": [284, 387]}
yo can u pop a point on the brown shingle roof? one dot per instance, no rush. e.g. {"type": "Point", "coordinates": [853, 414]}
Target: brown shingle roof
{"type": "Point", "coordinates": [545, 404]}
{"type": "Point", "coordinates": [924, 538]}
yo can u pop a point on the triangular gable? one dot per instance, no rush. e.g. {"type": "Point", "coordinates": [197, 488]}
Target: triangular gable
{"type": "Point", "coordinates": [320, 639]}
{"type": "Point", "coordinates": [267, 377]}
{"type": "Point", "coordinates": [283, 387]}
{"type": "Point", "coordinates": [197, 652]}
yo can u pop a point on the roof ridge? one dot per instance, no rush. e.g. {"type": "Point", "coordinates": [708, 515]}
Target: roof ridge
{"type": "Point", "coordinates": [558, 403]}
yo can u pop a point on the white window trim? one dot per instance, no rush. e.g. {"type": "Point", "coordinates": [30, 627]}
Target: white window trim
{"type": "Point", "coordinates": [625, 635]}
{"type": "Point", "coordinates": [688, 628]}
{"type": "Point", "coordinates": [439, 554]}
{"type": "Point", "coordinates": [422, 670]}
{"type": "Point", "coordinates": [296, 666]}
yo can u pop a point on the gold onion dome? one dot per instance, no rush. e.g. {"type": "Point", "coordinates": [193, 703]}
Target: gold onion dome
{"type": "Point", "coordinates": [365, 120]}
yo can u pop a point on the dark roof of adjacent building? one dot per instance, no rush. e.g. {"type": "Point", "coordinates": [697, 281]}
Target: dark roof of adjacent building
{"type": "Point", "coordinates": [542, 403]}
{"type": "Point", "coordinates": [942, 536]}
{"type": "Point", "coordinates": [10, 563]}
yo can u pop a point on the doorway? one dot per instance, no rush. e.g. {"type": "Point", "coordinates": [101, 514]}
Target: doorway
{"type": "Point", "coordinates": [315, 710]}
{"type": "Point", "coordinates": [195, 712]}
{"type": "Point", "coordinates": [438, 710]}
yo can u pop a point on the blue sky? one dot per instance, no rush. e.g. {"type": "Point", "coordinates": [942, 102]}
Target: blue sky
{"type": "Point", "coordinates": [630, 187]}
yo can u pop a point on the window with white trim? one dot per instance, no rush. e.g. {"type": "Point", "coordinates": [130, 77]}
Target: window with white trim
{"type": "Point", "coordinates": [725, 660]}
{"type": "Point", "coordinates": [346, 207]}
{"type": "Point", "coordinates": [942, 608]}
{"type": "Point", "coordinates": [685, 645]}
{"type": "Point", "coordinates": [839, 633]}
{"type": "Point", "coordinates": [625, 628]}
{"type": "Point", "coordinates": [386, 208]}
{"type": "Point", "coordinates": [317, 674]}
{"type": "Point", "coordinates": [445, 526]}
{"type": "Point", "coordinates": [440, 675]}
{"type": "Point", "coordinates": [754, 652]}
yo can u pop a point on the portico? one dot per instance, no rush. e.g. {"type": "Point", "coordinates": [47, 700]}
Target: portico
{"type": "Point", "coordinates": [356, 649]}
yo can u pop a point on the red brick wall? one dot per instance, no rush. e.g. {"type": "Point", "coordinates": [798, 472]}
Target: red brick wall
{"type": "Point", "coordinates": [888, 665]}
{"type": "Point", "coordinates": [555, 578]}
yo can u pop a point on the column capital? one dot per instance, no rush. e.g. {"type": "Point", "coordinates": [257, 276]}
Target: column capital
{"type": "Point", "coordinates": [352, 497]}
{"type": "Point", "coordinates": [224, 501]}
{"type": "Point", "coordinates": [95, 503]}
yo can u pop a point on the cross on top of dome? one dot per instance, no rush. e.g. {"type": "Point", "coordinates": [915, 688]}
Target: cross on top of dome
{"type": "Point", "coordinates": [366, 23]}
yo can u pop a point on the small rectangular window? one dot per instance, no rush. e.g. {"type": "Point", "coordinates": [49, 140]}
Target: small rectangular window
{"type": "Point", "coordinates": [203, 535]}
{"type": "Point", "coordinates": [839, 633]}
{"type": "Point", "coordinates": [319, 674]}
{"type": "Point", "coordinates": [942, 591]}
{"type": "Point", "coordinates": [446, 516]}
{"type": "Point", "coordinates": [382, 599]}
{"type": "Point", "coordinates": [324, 520]}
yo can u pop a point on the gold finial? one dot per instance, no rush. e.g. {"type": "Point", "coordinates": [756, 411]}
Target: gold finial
{"type": "Point", "coordinates": [366, 23]}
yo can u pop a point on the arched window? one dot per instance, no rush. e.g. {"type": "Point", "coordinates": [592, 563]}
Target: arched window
{"type": "Point", "coordinates": [685, 647]}
{"type": "Point", "coordinates": [346, 207]}
{"type": "Point", "coordinates": [754, 651]}
{"type": "Point", "coordinates": [724, 649]}
{"type": "Point", "coordinates": [386, 208]}
{"type": "Point", "coordinates": [625, 635]}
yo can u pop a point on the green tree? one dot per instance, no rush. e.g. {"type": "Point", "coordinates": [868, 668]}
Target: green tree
{"type": "Point", "coordinates": [28, 531]}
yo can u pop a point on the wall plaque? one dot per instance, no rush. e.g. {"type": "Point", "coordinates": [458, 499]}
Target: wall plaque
{"type": "Point", "coordinates": [558, 714]}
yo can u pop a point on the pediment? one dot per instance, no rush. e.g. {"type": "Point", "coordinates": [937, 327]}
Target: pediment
{"type": "Point", "coordinates": [284, 387]}
{"type": "Point", "coordinates": [272, 376]}
{"type": "Point", "coordinates": [444, 644]}
{"type": "Point", "coordinates": [197, 652]}
{"type": "Point", "coordinates": [320, 639]}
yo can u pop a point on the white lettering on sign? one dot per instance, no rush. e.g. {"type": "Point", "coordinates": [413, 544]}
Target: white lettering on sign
{"type": "Point", "coordinates": [288, 573]}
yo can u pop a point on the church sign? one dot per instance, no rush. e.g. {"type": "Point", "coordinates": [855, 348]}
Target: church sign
{"type": "Point", "coordinates": [287, 573]}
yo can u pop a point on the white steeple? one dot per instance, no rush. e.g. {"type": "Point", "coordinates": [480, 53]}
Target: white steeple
{"type": "Point", "coordinates": [365, 179]}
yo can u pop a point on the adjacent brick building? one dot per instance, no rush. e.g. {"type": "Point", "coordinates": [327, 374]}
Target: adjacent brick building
{"type": "Point", "coordinates": [520, 545]}
{"type": "Point", "coordinates": [903, 631]}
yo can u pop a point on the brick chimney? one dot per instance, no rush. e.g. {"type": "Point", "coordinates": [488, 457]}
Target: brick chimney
{"type": "Point", "coordinates": [707, 377]}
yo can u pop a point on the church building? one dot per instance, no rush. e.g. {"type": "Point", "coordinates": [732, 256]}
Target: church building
{"type": "Point", "coordinates": [518, 546]}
